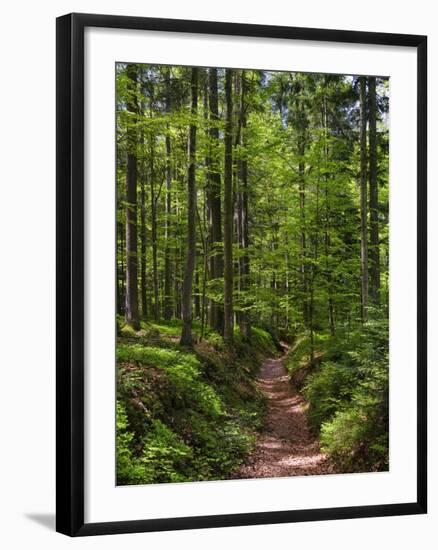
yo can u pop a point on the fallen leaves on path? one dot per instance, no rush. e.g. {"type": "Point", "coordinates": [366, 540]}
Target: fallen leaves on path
{"type": "Point", "coordinates": [285, 447]}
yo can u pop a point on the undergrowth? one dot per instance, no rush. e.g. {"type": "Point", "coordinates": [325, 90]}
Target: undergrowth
{"type": "Point", "coordinates": [185, 415]}
{"type": "Point", "coordinates": [346, 386]}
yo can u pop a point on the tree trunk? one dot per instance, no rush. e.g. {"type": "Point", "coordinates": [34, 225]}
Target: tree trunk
{"type": "Point", "coordinates": [329, 277]}
{"type": "Point", "coordinates": [156, 309]}
{"type": "Point", "coordinates": [197, 294]}
{"type": "Point", "coordinates": [205, 269]}
{"type": "Point", "coordinates": [178, 271]}
{"type": "Point", "coordinates": [168, 204]}
{"type": "Point", "coordinates": [374, 197]}
{"type": "Point", "coordinates": [120, 269]}
{"type": "Point", "coordinates": [363, 201]}
{"type": "Point", "coordinates": [228, 213]}
{"type": "Point", "coordinates": [244, 320]}
{"type": "Point", "coordinates": [144, 308]}
{"type": "Point", "coordinates": [214, 201]}
{"type": "Point", "coordinates": [131, 308]}
{"type": "Point", "coordinates": [301, 125]}
{"type": "Point", "coordinates": [186, 336]}
{"type": "Point", "coordinates": [303, 242]}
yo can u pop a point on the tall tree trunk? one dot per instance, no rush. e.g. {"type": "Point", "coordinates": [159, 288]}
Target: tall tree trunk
{"type": "Point", "coordinates": [363, 201]}
{"type": "Point", "coordinates": [197, 294]}
{"type": "Point", "coordinates": [206, 305]}
{"type": "Point", "coordinates": [122, 236]}
{"type": "Point", "coordinates": [374, 197]}
{"type": "Point", "coordinates": [303, 241]}
{"type": "Point", "coordinates": [329, 277]}
{"type": "Point", "coordinates": [178, 272]}
{"type": "Point", "coordinates": [156, 309]}
{"type": "Point", "coordinates": [214, 201]}
{"type": "Point", "coordinates": [301, 126]}
{"type": "Point", "coordinates": [228, 212]}
{"type": "Point", "coordinates": [204, 237]}
{"type": "Point", "coordinates": [131, 307]}
{"type": "Point", "coordinates": [143, 284]}
{"type": "Point", "coordinates": [119, 268]}
{"type": "Point", "coordinates": [186, 336]}
{"type": "Point", "coordinates": [244, 319]}
{"type": "Point", "coordinates": [168, 205]}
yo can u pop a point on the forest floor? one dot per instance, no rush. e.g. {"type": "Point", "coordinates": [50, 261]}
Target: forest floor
{"type": "Point", "coordinates": [285, 445]}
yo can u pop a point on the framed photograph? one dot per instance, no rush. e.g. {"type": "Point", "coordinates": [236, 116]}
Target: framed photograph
{"type": "Point", "coordinates": [241, 274]}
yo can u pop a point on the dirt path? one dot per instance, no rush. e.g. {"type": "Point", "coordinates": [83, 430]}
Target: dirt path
{"type": "Point", "coordinates": [285, 447]}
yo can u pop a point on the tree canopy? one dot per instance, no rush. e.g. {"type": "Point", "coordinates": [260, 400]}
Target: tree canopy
{"type": "Point", "coordinates": [251, 199]}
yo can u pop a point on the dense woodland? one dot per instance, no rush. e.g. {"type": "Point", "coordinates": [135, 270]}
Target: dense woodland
{"type": "Point", "coordinates": [252, 209]}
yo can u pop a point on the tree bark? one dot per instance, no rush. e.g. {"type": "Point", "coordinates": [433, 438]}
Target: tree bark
{"type": "Point", "coordinates": [186, 336]}
{"type": "Point", "coordinates": [131, 307]}
{"type": "Point", "coordinates": [120, 270]}
{"type": "Point", "coordinates": [214, 201]}
{"type": "Point", "coordinates": [244, 319]}
{"type": "Point", "coordinates": [153, 204]}
{"type": "Point", "coordinates": [327, 240]}
{"type": "Point", "coordinates": [168, 205]}
{"type": "Point", "coordinates": [228, 213]}
{"type": "Point", "coordinates": [143, 284]}
{"type": "Point", "coordinates": [374, 197]}
{"type": "Point", "coordinates": [363, 200]}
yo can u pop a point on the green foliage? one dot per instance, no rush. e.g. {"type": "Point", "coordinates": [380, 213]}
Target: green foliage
{"type": "Point", "coordinates": [129, 468]}
{"type": "Point", "coordinates": [190, 415]}
{"type": "Point", "coordinates": [298, 356]}
{"type": "Point", "coordinates": [185, 416]}
{"type": "Point", "coordinates": [326, 390]}
{"type": "Point", "coordinates": [262, 340]}
{"type": "Point", "coordinates": [357, 436]}
{"type": "Point", "coordinates": [215, 340]}
{"type": "Point", "coordinates": [127, 331]}
{"type": "Point", "coordinates": [348, 397]}
{"type": "Point", "coordinates": [163, 458]}
{"type": "Point", "coordinates": [298, 359]}
{"type": "Point", "coordinates": [183, 372]}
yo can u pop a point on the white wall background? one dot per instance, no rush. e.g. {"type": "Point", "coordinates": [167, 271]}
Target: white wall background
{"type": "Point", "coordinates": [27, 321]}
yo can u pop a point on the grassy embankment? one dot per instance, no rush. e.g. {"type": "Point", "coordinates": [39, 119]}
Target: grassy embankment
{"type": "Point", "coordinates": [347, 390]}
{"type": "Point", "coordinates": [185, 415]}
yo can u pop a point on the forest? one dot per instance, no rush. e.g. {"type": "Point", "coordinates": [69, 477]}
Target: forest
{"type": "Point", "coordinates": [252, 273]}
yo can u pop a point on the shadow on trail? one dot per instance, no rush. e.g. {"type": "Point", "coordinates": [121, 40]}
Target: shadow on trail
{"type": "Point", "coordinates": [285, 446]}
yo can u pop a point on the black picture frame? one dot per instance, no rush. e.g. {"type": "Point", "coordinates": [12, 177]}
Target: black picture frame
{"type": "Point", "coordinates": [70, 273]}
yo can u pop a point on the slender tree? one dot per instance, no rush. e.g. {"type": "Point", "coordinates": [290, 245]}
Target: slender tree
{"type": "Point", "coordinates": [214, 200]}
{"type": "Point", "coordinates": [142, 226]}
{"type": "Point", "coordinates": [363, 199]}
{"type": "Point", "coordinates": [374, 196]}
{"type": "Point", "coordinates": [153, 206]}
{"type": "Point", "coordinates": [186, 335]}
{"type": "Point", "coordinates": [299, 120]}
{"type": "Point", "coordinates": [167, 313]}
{"type": "Point", "coordinates": [120, 270]}
{"type": "Point", "coordinates": [143, 243]}
{"type": "Point", "coordinates": [131, 307]}
{"type": "Point", "coordinates": [327, 240]}
{"type": "Point", "coordinates": [228, 212]}
{"type": "Point", "coordinates": [244, 271]}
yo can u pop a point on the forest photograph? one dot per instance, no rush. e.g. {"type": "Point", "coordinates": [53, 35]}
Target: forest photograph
{"type": "Point", "coordinates": [252, 273]}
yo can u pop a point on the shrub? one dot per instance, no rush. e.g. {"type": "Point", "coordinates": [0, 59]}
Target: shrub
{"type": "Point", "coordinates": [165, 457]}
{"type": "Point", "coordinates": [357, 437]}
{"type": "Point", "coordinates": [129, 469]}
{"type": "Point", "coordinates": [185, 415]}
{"type": "Point", "coordinates": [215, 340]}
{"type": "Point", "coordinates": [327, 389]}
{"type": "Point", "coordinates": [347, 393]}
